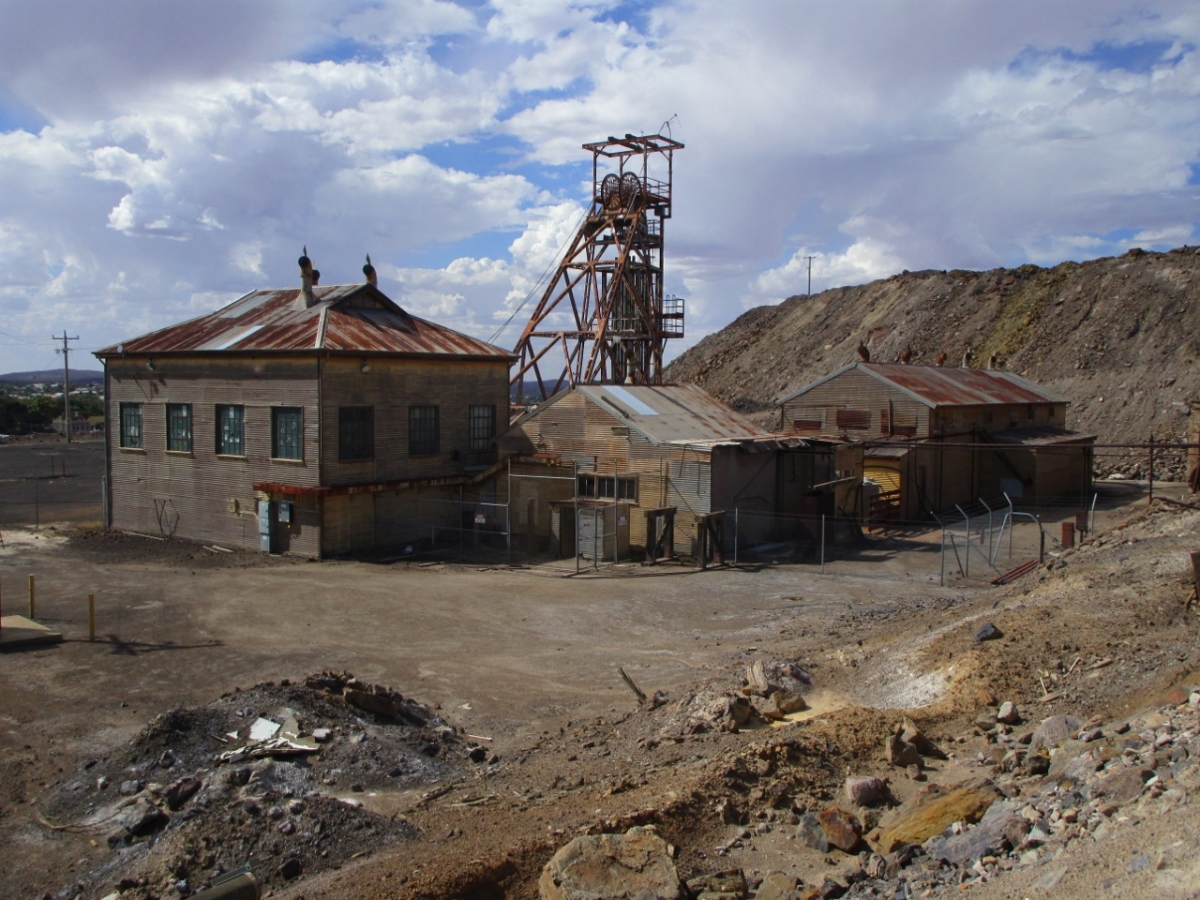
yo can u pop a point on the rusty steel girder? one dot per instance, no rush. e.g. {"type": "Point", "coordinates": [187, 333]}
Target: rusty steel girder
{"type": "Point", "coordinates": [603, 318]}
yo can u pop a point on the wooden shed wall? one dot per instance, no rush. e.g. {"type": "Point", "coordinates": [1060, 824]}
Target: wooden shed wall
{"type": "Point", "coordinates": [207, 497]}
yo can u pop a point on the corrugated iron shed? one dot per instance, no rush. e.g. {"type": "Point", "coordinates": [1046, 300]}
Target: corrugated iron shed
{"type": "Point", "coordinates": [940, 386]}
{"type": "Point", "coordinates": [346, 318]}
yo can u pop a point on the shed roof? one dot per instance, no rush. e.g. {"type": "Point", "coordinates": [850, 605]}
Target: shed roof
{"type": "Point", "coordinates": [938, 386]}
{"type": "Point", "coordinates": [347, 318]}
{"type": "Point", "coordinates": [665, 413]}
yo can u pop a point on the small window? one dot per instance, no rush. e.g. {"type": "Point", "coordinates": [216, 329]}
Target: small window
{"type": "Point", "coordinates": [858, 419]}
{"type": "Point", "coordinates": [606, 487]}
{"type": "Point", "coordinates": [422, 430]}
{"type": "Point", "coordinates": [131, 425]}
{"type": "Point", "coordinates": [231, 430]}
{"type": "Point", "coordinates": [356, 433]}
{"type": "Point", "coordinates": [179, 427]}
{"type": "Point", "coordinates": [287, 432]}
{"type": "Point", "coordinates": [627, 489]}
{"type": "Point", "coordinates": [482, 427]}
{"type": "Point", "coordinates": [587, 485]}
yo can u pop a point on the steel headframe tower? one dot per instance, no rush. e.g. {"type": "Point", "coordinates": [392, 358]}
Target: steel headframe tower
{"type": "Point", "coordinates": [604, 309]}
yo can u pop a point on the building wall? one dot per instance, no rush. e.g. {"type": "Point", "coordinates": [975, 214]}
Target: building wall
{"type": "Point", "coordinates": [864, 401]}
{"type": "Point", "coordinates": [872, 408]}
{"type": "Point", "coordinates": [583, 434]}
{"type": "Point", "coordinates": [391, 386]}
{"type": "Point", "coordinates": [199, 495]}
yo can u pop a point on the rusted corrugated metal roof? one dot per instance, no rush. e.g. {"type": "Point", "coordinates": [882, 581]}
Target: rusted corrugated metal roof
{"type": "Point", "coordinates": [1041, 436]}
{"type": "Point", "coordinates": [672, 413]}
{"type": "Point", "coordinates": [347, 318]}
{"type": "Point", "coordinates": [937, 386]}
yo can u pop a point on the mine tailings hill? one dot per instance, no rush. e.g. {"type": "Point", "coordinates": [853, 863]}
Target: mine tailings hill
{"type": "Point", "coordinates": [1119, 337]}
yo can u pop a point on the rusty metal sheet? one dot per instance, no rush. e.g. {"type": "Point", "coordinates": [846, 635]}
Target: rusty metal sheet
{"type": "Point", "coordinates": [948, 386]}
{"type": "Point", "coordinates": [347, 318]}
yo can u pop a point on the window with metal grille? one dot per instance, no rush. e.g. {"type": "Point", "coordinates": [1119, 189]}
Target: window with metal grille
{"type": "Point", "coordinates": [422, 430]}
{"type": "Point", "coordinates": [287, 432]}
{"type": "Point", "coordinates": [231, 430]}
{"type": "Point", "coordinates": [587, 486]}
{"type": "Point", "coordinates": [356, 433]}
{"type": "Point", "coordinates": [179, 427]}
{"type": "Point", "coordinates": [481, 424]}
{"type": "Point", "coordinates": [606, 487]}
{"type": "Point", "coordinates": [131, 425]}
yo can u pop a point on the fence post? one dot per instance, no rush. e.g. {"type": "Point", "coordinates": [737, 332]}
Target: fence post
{"type": "Point", "coordinates": [1041, 539]}
{"type": "Point", "coordinates": [91, 617]}
{"type": "Point", "coordinates": [822, 543]}
{"type": "Point", "coordinates": [943, 555]}
{"type": "Point", "coordinates": [735, 535]}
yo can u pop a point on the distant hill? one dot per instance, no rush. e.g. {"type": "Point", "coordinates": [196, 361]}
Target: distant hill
{"type": "Point", "coordinates": [1119, 337]}
{"type": "Point", "coordinates": [79, 377]}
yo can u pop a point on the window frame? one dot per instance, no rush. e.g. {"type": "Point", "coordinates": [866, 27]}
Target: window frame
{"type": "Point", "coordinates": [128, 439]}
{"type": "Point", "coordinates": [476, 439]}
{"type": "Point", "coordinates": [222, 444]}
{"type": "Point", "coordinates": [428, 446]}
{"type": "Point", "coordinates": [179, 440]}
{"type": "Point", "coordinates": [277, 444]}
{"type": "Point", "coordinates": [356, 433]}
{"type": "Point", "coordinates": [598, 486]}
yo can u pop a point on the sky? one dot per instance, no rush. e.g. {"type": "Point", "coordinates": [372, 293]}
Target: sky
{"type": "Point", "coordinates": [158, 160]}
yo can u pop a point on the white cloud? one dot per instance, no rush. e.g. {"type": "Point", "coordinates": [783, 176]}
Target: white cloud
{"type": "Point", "coordinates": [871, 136]}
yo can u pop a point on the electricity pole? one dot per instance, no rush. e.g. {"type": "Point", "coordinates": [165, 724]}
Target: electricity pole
{"type": "Point", "coordinates": [66, 353]}
{"type": "Point", "coordinates": [810, 259]}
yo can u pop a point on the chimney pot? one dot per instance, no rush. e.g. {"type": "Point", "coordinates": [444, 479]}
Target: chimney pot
{"type": "Point", "coordinates": [369, 271]}
{"type": "Point", "coordinates": [308, 277]}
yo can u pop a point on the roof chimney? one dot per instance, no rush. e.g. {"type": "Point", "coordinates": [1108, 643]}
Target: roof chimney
{"type": "Point", "coordinates": [306, 298]}
{"type": "Point", "coordinates": [369, 271]}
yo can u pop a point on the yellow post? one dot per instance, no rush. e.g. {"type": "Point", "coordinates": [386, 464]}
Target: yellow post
{"type": "Point", "coordinates": [91, 617]}
{"type": "Point", "coordinates": [31, 607]}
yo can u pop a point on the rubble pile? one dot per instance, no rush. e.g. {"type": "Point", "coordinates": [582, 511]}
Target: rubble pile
{"type": "Point", "coordinates": [274, 776]}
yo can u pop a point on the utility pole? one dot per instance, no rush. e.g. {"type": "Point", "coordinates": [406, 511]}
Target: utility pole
{"type": "Point", "coordinates": [810, 259]}
{"type": "Point", "coordinates": [66, 354]}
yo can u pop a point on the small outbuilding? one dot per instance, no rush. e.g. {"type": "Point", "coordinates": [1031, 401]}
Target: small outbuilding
{"type": "Point", "coordinates": [638, 449]}
{"type": "Point", "coordinates": [934, 436]}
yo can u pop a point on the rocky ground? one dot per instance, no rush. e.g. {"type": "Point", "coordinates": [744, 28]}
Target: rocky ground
{"type": "Point", "coordinates": [1038, 739]}
{"type": "Point", "coordinates": [1116, 336]}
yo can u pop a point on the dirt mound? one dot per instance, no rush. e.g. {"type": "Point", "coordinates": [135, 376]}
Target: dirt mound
{"type": "Point", "coordinates": [1117, 336]}
{"type": "Point", "coordinates": [274, 777]}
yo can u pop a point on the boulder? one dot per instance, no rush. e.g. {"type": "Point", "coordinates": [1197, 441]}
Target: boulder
{"type": "Point", "coordinates": [636, 864]}
{"type": "Point", "coordinates": [181, 792]}
{"type": "Point", "coordinates": [912, 734]}
{"type": "Point", "coordinates": [999, 830]}
{"type": "Point", "coordinates": [789, 702]}
{"type": "Point", "coordinates": [1121, 787]}
{"type": "Point", "coordinates": [777, 886]}
{"type": "Point", "coordinates": [727, 885]}
{"type": "Point", "coordinates": [988, 632]}
{"type": "Point", "coordinates": [842, 829]}
{"type": "Point", "coordinates": [865, 790]}
{"type": "Point", "coordinates": [1053, 731]}
{"type": "Point", "coordinates": [828, 889]}
{"type": "Point", "coordinates": [1008, 713]}
{"type": "Point", "coordinates": [811, 834]}
{"type": "Point", "coordinates": [143, 818]}
{"type": "Point", "coordinates": [901, 753]}
{"type": "Point", "coordinates": [929, 811]}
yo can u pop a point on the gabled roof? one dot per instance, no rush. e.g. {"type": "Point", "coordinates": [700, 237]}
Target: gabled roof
{"type": "Point", "coordinates": [938, 386]}
{"type": "Point", "coordinates": [347, 318]}
{"type": "Point", "coordinates": [665, 413]}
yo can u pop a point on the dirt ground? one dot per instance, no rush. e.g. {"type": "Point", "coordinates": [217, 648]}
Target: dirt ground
{"type": "Point", "coordinates": [527, 659]}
